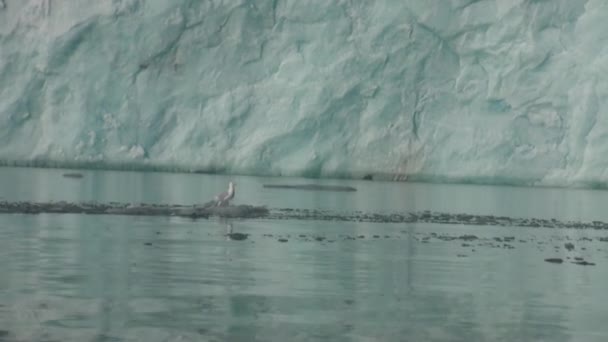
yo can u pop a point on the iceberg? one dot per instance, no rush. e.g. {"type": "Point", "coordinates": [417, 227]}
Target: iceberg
{"type": "Point", "coordinates": [459, 91]}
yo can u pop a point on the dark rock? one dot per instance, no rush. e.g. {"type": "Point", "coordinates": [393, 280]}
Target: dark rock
{"type": "Point", "coordinates": [148, 243]}
{"type": "Point", "coordinates": [237, 236]}
{"type": "Point", "coordinates": [569, 246]}
{"type": "Point", "coordinates": [584, 263]}
{"type": "Point", "coordinates": [282, 240]}
{"type": "Point", "coordinates": [319, 238]}
{"type": "Point", "coordinates": [368, 177]}
{"type": "Point", "coordinates": [468, 237]}
{"type": "Point", "coordinates": [555, 260]}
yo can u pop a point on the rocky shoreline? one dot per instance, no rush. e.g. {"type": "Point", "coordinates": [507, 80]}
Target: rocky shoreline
{"type": "Point", "coordinates": [249, 211]}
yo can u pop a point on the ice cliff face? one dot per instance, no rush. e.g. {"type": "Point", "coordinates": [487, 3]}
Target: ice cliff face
{"type": "Point", "coordinates": [474, 90]}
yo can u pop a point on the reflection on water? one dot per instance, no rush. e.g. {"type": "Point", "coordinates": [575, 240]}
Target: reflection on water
{"type": "Point", "coordinates": [110, 278]}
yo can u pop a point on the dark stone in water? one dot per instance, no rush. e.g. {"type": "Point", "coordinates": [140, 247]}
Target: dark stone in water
{"type": "Point", "coordinates": [569, 246]}
{"type": "Point", "coordinates": [584, 263]}
{"type": "Point", "coordinates": [578, 258]}
{"type": "Point", "coordinates": [237, 236]}
{"type": "Point", "coordinates": [73, 175]}
{"type": "Point", "coordinates": [319, 238]}
{"type": "Point", "coordinates": [148, 243]}
{"type": "Point", "coordinates": [368, 177]}
{"type": "Point", "coordinates": [315, 187]}
{"type": "Point", "coordinates": [468, 237]}
{"type": "Point", "coordinates": [282, 240]}
{"type": "Point", "coordinates": [555, 260]}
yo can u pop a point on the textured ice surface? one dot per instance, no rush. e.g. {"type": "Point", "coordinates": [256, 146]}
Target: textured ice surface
{"type": "Point", "coordinates": [463, 90]}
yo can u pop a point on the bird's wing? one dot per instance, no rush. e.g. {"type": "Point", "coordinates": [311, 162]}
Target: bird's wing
{"type": "Point", "coordinates": [222, 196]}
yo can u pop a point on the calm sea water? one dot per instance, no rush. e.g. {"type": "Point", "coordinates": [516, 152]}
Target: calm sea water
{"type": "Point", "coordinates": [117, 278]}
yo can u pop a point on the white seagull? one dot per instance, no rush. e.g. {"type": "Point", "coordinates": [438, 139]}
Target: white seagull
{"type": "Point", "coordinates": [224, 198]}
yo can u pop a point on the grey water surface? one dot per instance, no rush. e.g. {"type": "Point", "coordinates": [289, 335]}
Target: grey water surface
{"type": "Point", "coordinates": [72, 277]}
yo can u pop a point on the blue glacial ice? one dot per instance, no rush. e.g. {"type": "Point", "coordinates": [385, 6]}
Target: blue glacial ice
{"type": "Point", "coordinates": [452, 90]}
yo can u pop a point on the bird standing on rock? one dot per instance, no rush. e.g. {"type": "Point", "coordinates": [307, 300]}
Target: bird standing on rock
{"type": "Point", "coordinates": [224, 198]}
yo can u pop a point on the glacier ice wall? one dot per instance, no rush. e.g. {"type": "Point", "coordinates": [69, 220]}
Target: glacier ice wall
{"type": "Point", "coordinates": [453, 90]}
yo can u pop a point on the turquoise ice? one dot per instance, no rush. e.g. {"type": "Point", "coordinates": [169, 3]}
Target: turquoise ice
{"type": "Point", "coordinates": [461, 90]}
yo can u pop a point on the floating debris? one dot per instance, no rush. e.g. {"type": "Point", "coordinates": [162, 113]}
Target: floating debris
{"type": "Point", "coordinates": [313, 187]}
{"type": "Point", "coordinates": [73, 175]}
